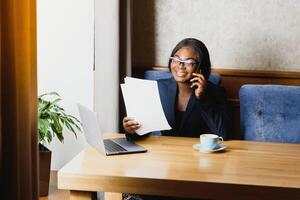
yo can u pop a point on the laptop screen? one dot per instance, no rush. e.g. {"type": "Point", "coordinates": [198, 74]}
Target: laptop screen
{"type": "Point", "coordinates": [91, 128]}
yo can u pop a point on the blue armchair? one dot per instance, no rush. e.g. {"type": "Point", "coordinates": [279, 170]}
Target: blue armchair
{"type": "Point", "coordinates": [270, 113]}
{"type": "Point", "coordinates": [155, 75]}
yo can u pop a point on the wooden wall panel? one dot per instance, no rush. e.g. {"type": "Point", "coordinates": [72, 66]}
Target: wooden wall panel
{"type": "Point", "coordinates": [233, 79]}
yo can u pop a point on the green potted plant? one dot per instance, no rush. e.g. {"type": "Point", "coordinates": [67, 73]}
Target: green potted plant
{"type": "Point", "coordinates": [52, 121]}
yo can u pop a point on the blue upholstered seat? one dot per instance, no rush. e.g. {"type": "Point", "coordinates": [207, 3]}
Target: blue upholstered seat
{"type": "Point", "coordinates": [155, 75]}
{"type": "Point", "coordinates": [270, 113]}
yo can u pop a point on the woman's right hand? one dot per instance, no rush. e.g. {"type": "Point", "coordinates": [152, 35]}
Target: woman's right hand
{"type": "Point", "coordinates": [130, 125]}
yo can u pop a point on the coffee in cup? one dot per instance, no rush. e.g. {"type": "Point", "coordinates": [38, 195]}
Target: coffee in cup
{"type": "Point", "coordinates": [210, 141]}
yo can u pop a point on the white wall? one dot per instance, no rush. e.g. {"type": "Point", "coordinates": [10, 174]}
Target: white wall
{"type": "Point", "coordinates": [107, 64]}
{"type": "Point", "coordinates": [65, 62]}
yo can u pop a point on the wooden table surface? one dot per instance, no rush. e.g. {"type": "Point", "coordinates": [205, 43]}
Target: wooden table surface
{"type": "Point", "coordinates": [171, 167]}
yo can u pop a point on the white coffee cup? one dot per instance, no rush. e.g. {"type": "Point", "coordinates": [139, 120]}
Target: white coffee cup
{"type": "Point", "coordinates": [210, 141]}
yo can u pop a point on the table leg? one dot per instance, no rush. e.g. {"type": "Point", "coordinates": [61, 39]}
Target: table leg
{"type": "Point", "coordinates": [112, 196]}
{"type": "Point", "coordinates": [81, 195]}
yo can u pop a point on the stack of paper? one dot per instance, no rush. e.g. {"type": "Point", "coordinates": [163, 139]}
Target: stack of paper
{"type": "Point", "coordinates": [143, 104]}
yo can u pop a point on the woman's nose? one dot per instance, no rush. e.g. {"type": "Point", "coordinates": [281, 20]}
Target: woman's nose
{"type": "Point", "coordinates": [181, 65]}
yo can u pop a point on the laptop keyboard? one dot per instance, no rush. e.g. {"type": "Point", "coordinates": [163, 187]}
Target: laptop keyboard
{"type": "Point", "coordinates": [112, 146]}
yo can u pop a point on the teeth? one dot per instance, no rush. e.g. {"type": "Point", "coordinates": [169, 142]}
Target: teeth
{"type": "Point", "coordinates": [180, 74]}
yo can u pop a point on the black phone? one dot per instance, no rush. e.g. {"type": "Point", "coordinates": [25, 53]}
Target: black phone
{"type": "Point", "coordinates": [198, 70]}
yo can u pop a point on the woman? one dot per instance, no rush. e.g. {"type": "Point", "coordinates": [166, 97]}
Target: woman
{"type": "Point", "coordinates": [191, 103]}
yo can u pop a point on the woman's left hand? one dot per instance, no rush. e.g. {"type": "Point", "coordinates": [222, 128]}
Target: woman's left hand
{"type": "Point", "coordinates": [199, 83]}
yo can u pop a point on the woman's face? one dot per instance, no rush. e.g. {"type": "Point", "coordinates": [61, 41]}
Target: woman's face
{"type": "Point", "coordinates": [184, 64]}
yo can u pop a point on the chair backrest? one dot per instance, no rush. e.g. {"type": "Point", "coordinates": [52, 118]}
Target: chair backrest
{"type": "Point", "coordinates": [270, 113]}
{"type": "Point", "coordinates": [156, 75]}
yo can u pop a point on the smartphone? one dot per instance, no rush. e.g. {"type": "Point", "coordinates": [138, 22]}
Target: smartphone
{"type": "Point", "coordinates": [198, 70]}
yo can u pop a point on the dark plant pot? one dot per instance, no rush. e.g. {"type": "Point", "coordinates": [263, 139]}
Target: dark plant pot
{"type": "Point", "coordinates": [44, 170]}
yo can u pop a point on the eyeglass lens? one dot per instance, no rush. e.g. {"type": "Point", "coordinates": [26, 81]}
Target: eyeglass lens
{"type": "Point", "coordinates": [186, 63]}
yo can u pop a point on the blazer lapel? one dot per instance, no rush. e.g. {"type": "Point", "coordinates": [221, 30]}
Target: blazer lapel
{"type": "Point", "coordinates": [172, 91]}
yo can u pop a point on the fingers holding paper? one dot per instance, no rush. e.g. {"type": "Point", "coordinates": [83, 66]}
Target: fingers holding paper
{"type": "Point", "coordinates": [130, 125]}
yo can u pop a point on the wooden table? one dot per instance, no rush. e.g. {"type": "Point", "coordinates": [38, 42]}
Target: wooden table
{"type": "Point", "coordinates": [171, 167]}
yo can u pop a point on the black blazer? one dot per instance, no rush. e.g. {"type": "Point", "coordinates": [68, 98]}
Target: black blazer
{"type": "Point", "coordinates": [210, 114]}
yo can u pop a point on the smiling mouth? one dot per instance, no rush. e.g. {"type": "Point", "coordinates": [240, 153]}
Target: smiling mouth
{"type": "Point", "coordinates": [181, 74]}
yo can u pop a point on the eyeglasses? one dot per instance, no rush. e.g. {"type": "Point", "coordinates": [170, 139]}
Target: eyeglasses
{"type": "Point", "coordinates": [189, 63]}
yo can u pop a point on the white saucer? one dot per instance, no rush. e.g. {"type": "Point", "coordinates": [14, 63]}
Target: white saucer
{"type": "Point", "coordinates": [219, 148]}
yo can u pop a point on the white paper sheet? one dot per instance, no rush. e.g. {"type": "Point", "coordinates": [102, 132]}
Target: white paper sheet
{"type": "Point", "coordinates": [143, 104]}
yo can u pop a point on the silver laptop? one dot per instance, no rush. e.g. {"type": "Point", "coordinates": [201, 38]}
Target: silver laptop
{"type": "Point", "coordinates": [94, 136]}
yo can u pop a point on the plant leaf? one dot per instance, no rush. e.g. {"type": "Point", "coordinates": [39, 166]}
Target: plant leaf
{"type": "Point", "coordinates": [49, 93]}
{"type": "Point", "coordinates": [56, 126]}
{"type": "Point", "coordinates": [52, 119]}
